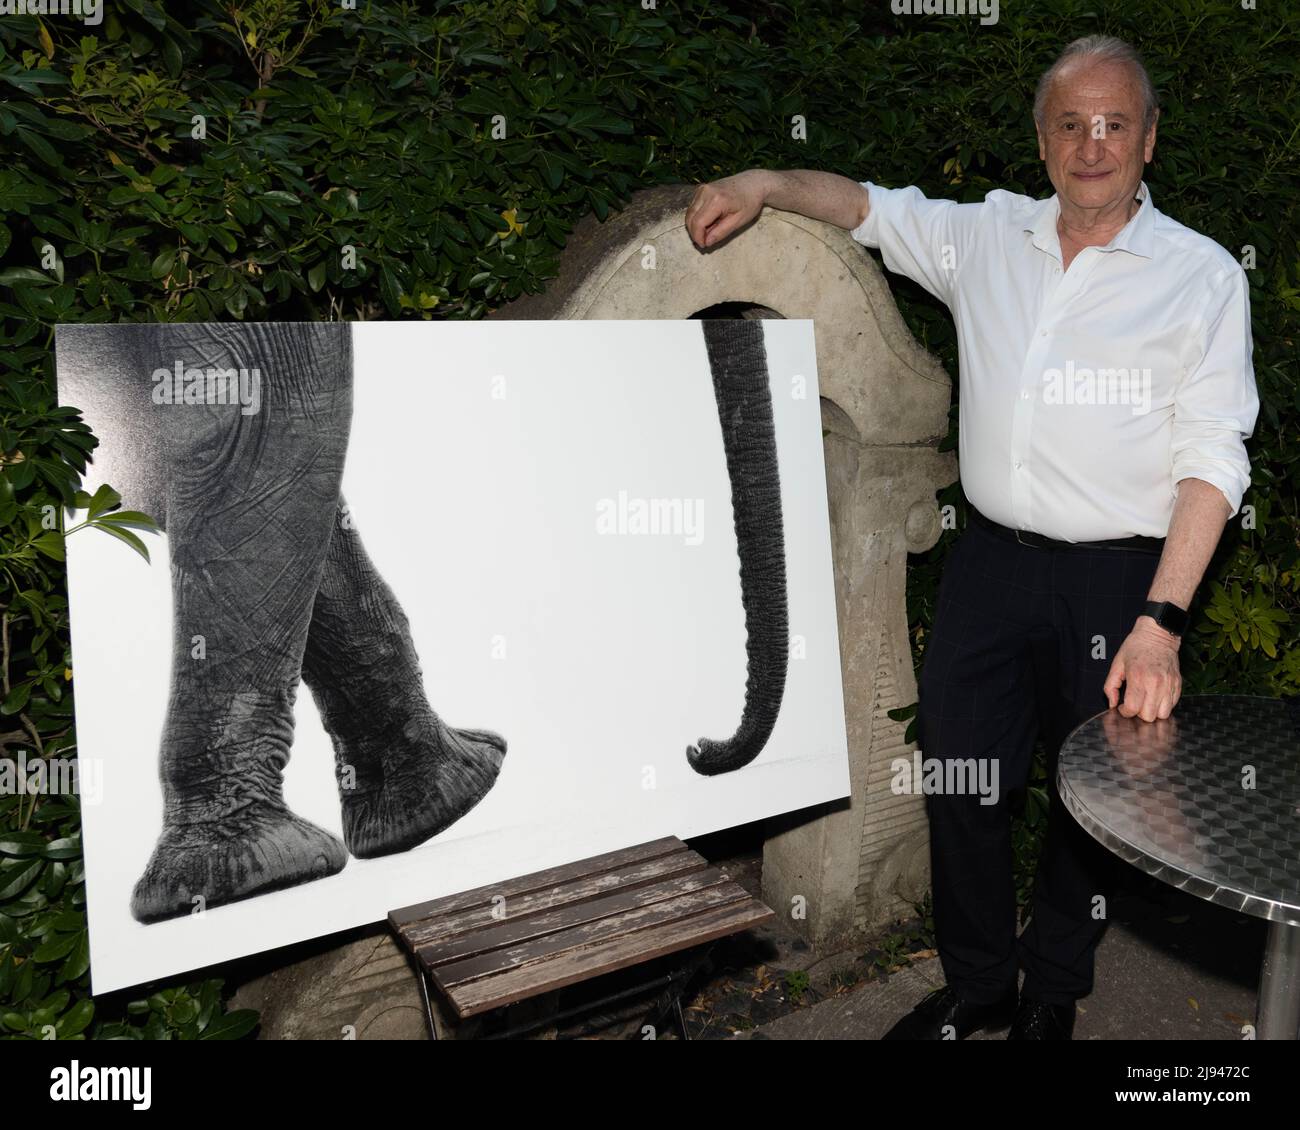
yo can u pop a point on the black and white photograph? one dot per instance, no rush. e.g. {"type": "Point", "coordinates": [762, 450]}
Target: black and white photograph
{"type": "Point", "coordinates": [432, 605]}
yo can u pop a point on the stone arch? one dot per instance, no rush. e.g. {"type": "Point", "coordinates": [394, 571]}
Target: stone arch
{"type": "Point", "coordinates": [884, 409]}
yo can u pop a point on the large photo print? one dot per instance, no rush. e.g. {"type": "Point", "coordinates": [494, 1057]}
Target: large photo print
{"type": "Point", "coordinates": [433, 605]}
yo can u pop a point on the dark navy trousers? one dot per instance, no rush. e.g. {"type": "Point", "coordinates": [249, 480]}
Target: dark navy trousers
{"type": "Point", "coordinates": [1022, 643]}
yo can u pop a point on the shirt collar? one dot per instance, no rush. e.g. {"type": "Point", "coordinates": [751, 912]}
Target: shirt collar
{"type": "Point", "coordinates": [1136, 237]}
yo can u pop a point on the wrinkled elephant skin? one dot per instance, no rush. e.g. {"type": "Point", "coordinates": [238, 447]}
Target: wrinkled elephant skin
{"type": "Point", "coordinates": [267, 570]}
{"type": "Point", "coordinates": [403, 774]}
{"type": "Point", "coordinates": [249, 511]}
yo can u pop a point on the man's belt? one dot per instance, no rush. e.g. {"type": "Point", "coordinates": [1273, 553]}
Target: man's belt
{"type": "Point", "coordinates": [1037, 541]}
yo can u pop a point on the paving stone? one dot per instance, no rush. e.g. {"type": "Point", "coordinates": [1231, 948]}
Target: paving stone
{"type": "Point", "coordinates": [1143, 990]}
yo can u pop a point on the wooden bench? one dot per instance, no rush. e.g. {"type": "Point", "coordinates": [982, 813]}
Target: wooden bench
{"type": "Point", "coordinates": [498, 945]}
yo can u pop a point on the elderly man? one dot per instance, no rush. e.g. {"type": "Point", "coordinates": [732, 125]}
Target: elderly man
{"type": "Point", "coordinates": [1106, 389]}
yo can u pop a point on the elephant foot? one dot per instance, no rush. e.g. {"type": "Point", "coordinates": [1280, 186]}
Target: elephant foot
{"type": "Point", "coordinates": [265, 848]}
{"type": "Point", "coordinates": [403, 774]}
{"type": "Point", "coordinates": [431, 775]}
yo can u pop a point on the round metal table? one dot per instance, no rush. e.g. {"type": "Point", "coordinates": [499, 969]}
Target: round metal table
{"type": "Point", "coordinates": [1207, 800]}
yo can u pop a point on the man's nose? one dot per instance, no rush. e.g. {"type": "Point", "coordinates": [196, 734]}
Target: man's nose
{"type": "Point", "coordinates": [1093, 148]}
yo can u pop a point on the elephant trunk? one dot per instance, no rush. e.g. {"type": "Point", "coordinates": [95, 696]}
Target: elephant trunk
{"type": "Point", "coordinates": [738, 362]}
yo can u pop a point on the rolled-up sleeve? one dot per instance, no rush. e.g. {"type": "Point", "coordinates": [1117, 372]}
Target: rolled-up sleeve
{"type": "Point", "coordinates": [924, 239]}
{"type": "Point", "coordinates": [1216, 403]}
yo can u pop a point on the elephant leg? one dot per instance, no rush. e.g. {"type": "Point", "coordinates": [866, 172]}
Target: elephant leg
{"type": "Point", "coordinates": [738, 362]}
{"type": "Point", "coordinates": [404, 775]}
{"type": "Point", "coordinates": [250, 506]}
{"type": "Point", "coordinates": [99, 371]}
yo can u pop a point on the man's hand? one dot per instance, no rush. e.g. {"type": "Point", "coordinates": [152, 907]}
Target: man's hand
{"type": "Point", "coordinates": [1147, 667]}
{"type": "Point", "coordinates": [1140, 748]}
{"type": "Point", "coordinates": [724, 206]}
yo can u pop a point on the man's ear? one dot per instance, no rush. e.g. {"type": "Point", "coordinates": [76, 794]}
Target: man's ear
{"type": "Point", "coordinates": [1042, 145]}
{"type": "Point", "coordinates": [1151, 137]}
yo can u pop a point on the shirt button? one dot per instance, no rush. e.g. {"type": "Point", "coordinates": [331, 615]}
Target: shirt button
{"type": "Point", "coordinates": [1042, 333]}
{"type": "Point", "coordinates": [1024, 394]}
{"type": "Point", "coordinates": [1017, 464]}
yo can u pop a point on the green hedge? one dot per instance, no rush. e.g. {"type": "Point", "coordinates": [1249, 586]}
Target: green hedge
{"type": "Point", "coordinates": [214, 161]}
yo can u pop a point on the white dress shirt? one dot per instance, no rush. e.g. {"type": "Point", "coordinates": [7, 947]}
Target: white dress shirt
{"type": "Point", "coordinates": [1086, 394]}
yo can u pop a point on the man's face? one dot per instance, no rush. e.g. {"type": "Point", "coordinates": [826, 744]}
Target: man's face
{"type": "Point", "coordinates": [1092, 139]}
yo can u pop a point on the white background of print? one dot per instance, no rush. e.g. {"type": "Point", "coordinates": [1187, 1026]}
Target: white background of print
{"type": "Point", "coordinates": [620, 650]}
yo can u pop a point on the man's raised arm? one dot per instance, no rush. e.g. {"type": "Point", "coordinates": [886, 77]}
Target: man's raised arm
{"type": "Point", "coordinates": [722, 207]}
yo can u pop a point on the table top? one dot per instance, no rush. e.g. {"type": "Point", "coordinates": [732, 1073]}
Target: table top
{"type": "Point", "coordinates": [1207, 800]}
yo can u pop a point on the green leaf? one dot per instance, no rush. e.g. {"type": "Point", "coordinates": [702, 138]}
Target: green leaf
{"type": "Point", "coordinates": [125, 535]}
{"type": "Point", "coordinates": [78, 960]}
{"type": "Point", "coordinates": [596, 118]}
{"type": "Point", "coordinates": [105, 498]}
{"type": "Point", "coordinates": [67, 847]}
{"type": "Point", "coordinates": [50, 544]}
{"type": "Point", "coordinates": [20, 193]}
{"type": "Point", "coordinates": [21, 475]}
{"type": "Point", "coordinates": [163, 263]}
{"type": "Point", "coordinates": [16, 699]}
{"type": "Point", "coordinates": [552, 169]}
{"type": "Point", "coordinates": [172, 56]}
{"type": "Point", "coordinates": [184, 1012]}
{"type": "Point", "coordinates": [15, 880]}
{"type": "Point", "coordinates": [231, 1026]}
{"type": "Point", "coordinates": [22, 843]}
{"type": "Point", "coordinates": [391, 290]}
{"type": "Point", "coordinates": [132, 518]}
{"type": "Point", "coordinates": [26, 274]}
{"type": "Point", "coordinates": [38, 145]}
{"type": "Point", "coordinates": [77, 1019]}
{"type": "Point", "coordinates": [55, 948]}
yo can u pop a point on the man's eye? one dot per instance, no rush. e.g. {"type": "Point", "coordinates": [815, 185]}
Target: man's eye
{"type": "Point", "coordinates": [1115, 125]}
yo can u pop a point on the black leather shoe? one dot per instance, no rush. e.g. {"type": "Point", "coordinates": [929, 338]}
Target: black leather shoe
{"type": "Point", "coordinates": [946, 1014]}
{"type": "Point", "coordinates": [1038, 1020]}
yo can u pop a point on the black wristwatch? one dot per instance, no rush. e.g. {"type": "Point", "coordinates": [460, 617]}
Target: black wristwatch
{"type": "Point", "coordinates": [1169, 616]}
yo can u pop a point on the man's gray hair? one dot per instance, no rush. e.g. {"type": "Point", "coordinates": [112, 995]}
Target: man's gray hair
{"type": "Point", "coordinates": [1102, 49]}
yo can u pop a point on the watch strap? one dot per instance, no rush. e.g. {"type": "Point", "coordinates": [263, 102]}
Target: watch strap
{"type": "Point", "coordinates": [1169, 616]}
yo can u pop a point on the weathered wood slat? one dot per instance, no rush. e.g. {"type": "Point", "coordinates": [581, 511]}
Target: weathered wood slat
{"type": "Point", "coordinates": [586, 935]}
{"type": "Point", "coordinates": [430, 930]}
{"type": "Point", "coordinates": [577, 965]}
{"type": "Point", "coordinates": [524, 884]}
{"type": "Point", "coordinates": [566, 924]}
{"type": "Point", "coordinates": [518, 929]}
